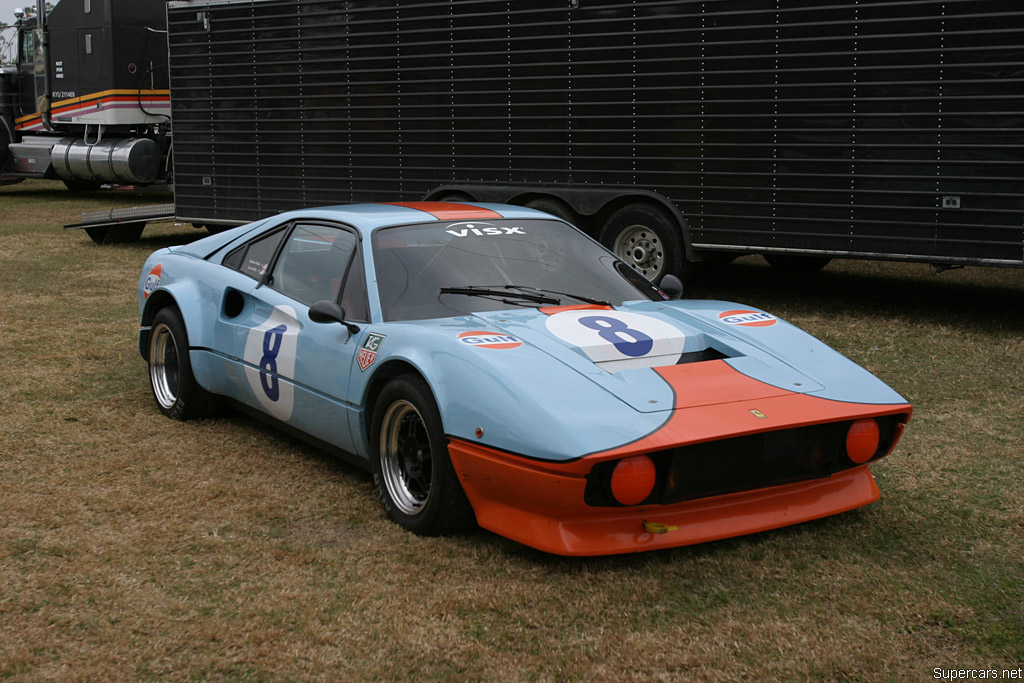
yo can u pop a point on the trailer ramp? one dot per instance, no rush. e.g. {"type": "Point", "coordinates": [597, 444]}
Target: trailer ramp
{"type": "Point", "coordinates": [121, 225]}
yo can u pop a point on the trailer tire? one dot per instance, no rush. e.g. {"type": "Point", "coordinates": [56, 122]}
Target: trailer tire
{"type": "Point", "coordinates": [648, 238]}
{"type": "Point", "coordinates": [454, 197]}
{"type": "Point", "coordinates": [556, 208]}
{"type": "Point", "coordinates": [793, 263]}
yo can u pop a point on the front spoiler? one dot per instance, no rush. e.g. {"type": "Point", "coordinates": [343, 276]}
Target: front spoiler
{"type": "Point", "coordinates": [535, 505]}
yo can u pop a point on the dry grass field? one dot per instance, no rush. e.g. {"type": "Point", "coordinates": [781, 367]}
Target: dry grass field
{"type": "Point", "coordinates": [134, 547]}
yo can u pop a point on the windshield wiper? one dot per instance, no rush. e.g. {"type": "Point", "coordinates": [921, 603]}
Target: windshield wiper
{"type": "Point", "coordinates": [500, 292]}
{"type": "Point", "coordinates": [584, 299]}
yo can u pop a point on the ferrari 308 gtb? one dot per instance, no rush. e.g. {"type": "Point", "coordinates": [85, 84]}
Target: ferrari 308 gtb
{"type": "Point", "coordinates": [493, 365]}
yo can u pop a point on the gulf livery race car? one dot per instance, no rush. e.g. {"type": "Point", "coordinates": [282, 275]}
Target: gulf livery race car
{"type": "Point", "coordinates": [493, 365]}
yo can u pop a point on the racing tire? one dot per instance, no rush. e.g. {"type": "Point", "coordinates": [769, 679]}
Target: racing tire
{"type": "Point", "coordinates": [175, 389]}
{"type": "Point", "coordinates": [649, 239]}
{"type": "Point", "coordinates": [412, 471]}
{"type": "Point", "coordinates": [792, 263]}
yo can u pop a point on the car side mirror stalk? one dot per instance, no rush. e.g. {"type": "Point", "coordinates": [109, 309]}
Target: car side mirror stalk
{"type": "Point", "coordinates": [330, 312]}
{"type": "Point", "coordinates": [672, 287]}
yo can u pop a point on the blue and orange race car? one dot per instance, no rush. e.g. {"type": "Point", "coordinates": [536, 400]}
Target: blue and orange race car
{"type": "Point", "coordinates": [493, 365]}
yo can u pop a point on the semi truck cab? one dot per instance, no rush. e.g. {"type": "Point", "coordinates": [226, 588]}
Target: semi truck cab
{"type": "Point", "coordinates": [88, 102]}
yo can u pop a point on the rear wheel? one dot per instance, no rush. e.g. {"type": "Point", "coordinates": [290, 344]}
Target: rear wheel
{"type": "Point", "coordinates": [175, 389]}
{"type": "Point", "coordinates": [415, 480]}
{"type": "Point", "coordinates": [648, 238]}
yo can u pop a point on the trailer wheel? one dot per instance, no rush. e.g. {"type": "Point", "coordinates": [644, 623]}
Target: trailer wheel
{"type": "Point", "coordinates": [556, 208]}
{"type": "Point", "coordinates": [454, 197]}
{"type": "Point", "coordinates": [792, 263]}
{"type": "Point", "coordinates": [646, 237]}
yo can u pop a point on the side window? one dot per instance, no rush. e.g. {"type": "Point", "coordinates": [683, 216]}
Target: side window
{"type": "Point", "coordinates": [313, 263]}
{"type": "Point", "coordinates": [28, 47]}
{"type": "Point", "coordinates": [254, 258]}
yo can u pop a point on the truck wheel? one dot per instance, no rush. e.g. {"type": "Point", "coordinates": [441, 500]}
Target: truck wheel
{"type": "Point", "coordinates": [792, 263]}
{"type": "Point", "coordinates": [648, 238]}
{"type": "Point", "coordinates": [415, 480]}
{"type": "Point", "coordinates": [176, 391]}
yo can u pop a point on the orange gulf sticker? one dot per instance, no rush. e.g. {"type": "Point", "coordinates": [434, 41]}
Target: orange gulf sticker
{"type": "Point", "coordinates": [152, 281]}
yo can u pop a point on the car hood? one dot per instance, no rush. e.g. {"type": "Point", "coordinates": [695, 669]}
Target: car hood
{"type": "Point", "coordinates": [643, 352]}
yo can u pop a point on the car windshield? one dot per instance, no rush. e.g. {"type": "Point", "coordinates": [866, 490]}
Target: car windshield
{"type": "Point", "coordinates": [444, 269]}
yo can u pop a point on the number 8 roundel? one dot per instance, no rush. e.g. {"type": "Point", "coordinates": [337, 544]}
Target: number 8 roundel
{"type": "Point", "coordinates": [628, 341]}
{"type": "Point", "coordinates": [270, 356]}
{"type": "Point", "coordinates": [618, 340]}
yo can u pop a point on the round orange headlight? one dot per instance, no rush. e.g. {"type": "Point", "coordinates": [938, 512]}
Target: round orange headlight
{"type": "Point", "coordinates": [633, 479]}
{"type": "Point", "coordinates": [862, 440]}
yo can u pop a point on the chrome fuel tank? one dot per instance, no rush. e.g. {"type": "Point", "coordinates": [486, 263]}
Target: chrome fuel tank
{"type": "Point", "coordinates": [125, 160]}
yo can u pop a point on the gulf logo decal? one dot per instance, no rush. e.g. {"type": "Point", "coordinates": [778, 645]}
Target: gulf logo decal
{"type": "Point", "coordinates": [617, 340]}
{"type": "Point", "coordinates": [270, 361]}
{"type": "Point", "coordinates": [490, 340]}
{"type": "Point", "coordinates": [152, 281]}
{"type": "Point", "coordinates": [748, 318]}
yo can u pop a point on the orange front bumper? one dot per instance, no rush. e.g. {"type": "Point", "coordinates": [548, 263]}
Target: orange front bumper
{"type": "Point", "coordinates": [540, 504]}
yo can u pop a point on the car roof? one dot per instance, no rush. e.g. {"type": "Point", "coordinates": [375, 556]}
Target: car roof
{"type": "Point", "coordinates": [364, 217]}
{"type": "Point", "coordinates": [368, 217]}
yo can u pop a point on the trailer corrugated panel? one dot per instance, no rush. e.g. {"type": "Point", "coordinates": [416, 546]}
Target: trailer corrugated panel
{"type": "Point", "coordinates": [892, 129]}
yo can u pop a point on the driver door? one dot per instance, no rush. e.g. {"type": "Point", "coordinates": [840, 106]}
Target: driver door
{"type": "Point", "coordinates": [296, 370]}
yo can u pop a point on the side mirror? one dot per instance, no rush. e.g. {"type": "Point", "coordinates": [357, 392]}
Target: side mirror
{"type": "Point", "coordinates": [672, 287]}
{"type": "Point", "coordinates": [330, 312]}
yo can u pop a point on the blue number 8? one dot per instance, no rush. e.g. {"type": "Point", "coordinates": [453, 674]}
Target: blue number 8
{"type": "Point", "coordinates": [627, 341]}
{"type": "Point", "coordinates": [271, 347]}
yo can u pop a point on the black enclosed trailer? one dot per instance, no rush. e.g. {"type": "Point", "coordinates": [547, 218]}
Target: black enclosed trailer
{"type": "Point", "coordinates": [794, 128]}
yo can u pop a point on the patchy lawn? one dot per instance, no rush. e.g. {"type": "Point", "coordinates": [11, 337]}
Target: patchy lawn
{"type": "Point", "coordinates": [132, 546]}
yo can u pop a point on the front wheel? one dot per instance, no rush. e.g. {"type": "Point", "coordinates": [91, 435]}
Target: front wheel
{"type": "Point", "coordinates": [648, 238]}
{"type": "Point", "coordinates": [176, 391]}
{"type": "Point", "coordinates": [415, 480]}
